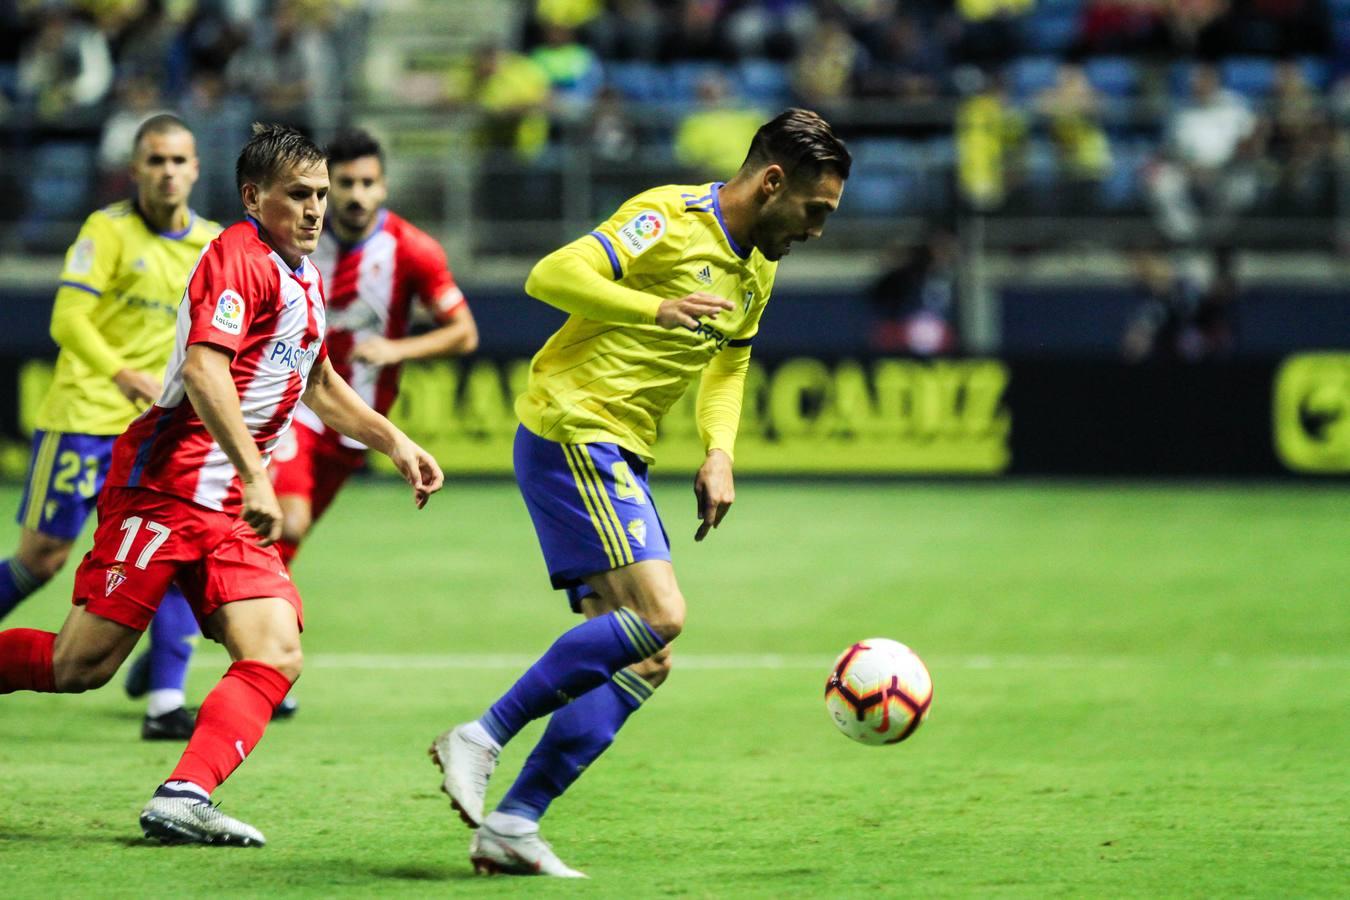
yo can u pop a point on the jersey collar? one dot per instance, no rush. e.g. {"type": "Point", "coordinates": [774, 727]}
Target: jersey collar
{"type": "Point", "coordinates": [380, 217]}
{"type": "Point", "coordinates": [717, 211]}
{"type": "Point", "coordinates": [299, 272]}
{"type": "Point", "coordinates": [171, 235]}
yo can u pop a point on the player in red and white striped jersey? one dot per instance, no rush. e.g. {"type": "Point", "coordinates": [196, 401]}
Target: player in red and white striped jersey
{"type": "Point", "coordinates": [188, 499]}
{"type": "Point", "coordinates": [375, 264]}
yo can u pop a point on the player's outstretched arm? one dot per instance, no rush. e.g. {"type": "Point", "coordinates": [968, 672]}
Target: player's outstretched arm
{"type": "Point", "coordinates": [458, 337]}
{"type": "Point", "coordinates": [578, 279]}
{"type": "Point", "coordinates": [206, 376]}
{"type": "Point", "coordinates": [342, 409]}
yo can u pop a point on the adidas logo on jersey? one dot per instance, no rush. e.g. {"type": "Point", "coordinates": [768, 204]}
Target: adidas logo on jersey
{"type": "Point", "coordinates": [705, 275]}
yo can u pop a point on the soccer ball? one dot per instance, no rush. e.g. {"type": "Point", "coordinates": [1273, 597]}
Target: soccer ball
{"type": "Point", "coordinates": [878, 692]}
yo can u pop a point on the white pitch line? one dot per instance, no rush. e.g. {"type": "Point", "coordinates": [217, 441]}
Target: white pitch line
{"type": "Point", "coordinates": [804, 662]}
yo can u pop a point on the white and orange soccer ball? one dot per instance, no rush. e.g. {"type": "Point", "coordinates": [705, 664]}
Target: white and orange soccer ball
{"type": "Point", "coordinates": [879, 692]}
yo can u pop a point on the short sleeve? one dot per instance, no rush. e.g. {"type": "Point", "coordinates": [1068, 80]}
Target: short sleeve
{"type": "Point", "coordinates": [223, 297]}
{"type": "Point", "coordinates": [647, 235]}
{"type": "Point", "coordinates": [430, 274]}
{"type": "Point", "coordinates": [91, 261]}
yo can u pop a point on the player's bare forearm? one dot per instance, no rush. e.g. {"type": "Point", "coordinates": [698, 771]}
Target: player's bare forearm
{"type": "Point", "coordinates": [206, 377]}
{"type": "Point", "coordinates": [458, 337]}
{"type": "Point", "coordinates": [343, 410]}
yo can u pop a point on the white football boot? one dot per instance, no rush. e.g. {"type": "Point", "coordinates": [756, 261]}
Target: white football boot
{"type": "Point", "coordinates": [494, 853]}
{"type": "Point", "coordinates": [180, 817]}
{"type": "Point", "coordinates": [467, 764]}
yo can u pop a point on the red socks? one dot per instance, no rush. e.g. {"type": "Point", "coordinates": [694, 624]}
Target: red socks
{"type": "Point", "coordinates": [230, 723]}
{"type": "Point", "coordinates": [26, 661]}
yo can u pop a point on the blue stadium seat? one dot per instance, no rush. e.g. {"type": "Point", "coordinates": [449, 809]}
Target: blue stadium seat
{"type": "Point", "coordinates": [1316, 71]}
{"type": "Point", "coordinates": [765, 83]}
{"type": "Point", "coordinates": [1342, 29]}
{"type": "Point", "coordinates": [1123, 187]}
{"type": "Point", "coordinates": [1113, 76]}
{"type": "Point", "coordinates": [1250, 76]}
{"type": "Point", "coordinates": [1042, 164]}
{"type": "Point", "coordinates": [685, 77]}
{"type": "Point", "coordinates": [1051, 31]}
{"type": "Point", "coordinates": [1030, 75]}
{"type": "Point", "coordinates": [58, 184]}
{"type": "Point", "coordinates": [1179, 80]}
{"type": "Point", "coordinates": [639, 81]}
{"type": "Point", "coordinates": [888, 178]}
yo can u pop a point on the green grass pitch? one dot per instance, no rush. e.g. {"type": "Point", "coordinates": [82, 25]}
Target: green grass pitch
{"type": "Point", "coordinates": [1140, 690]}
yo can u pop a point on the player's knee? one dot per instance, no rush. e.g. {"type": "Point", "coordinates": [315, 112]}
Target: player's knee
{"type": "Point", "coordinates": [656, 669]}
{"type": "Point", "coordinates": [45, 560]}
{"type": "Point", "coordinates": [289, 660]}
{"type": "Point", "coordinates": [295, 525]}
{"type": "Point", "coordinates": [666, 615]}
{"type": "Point", "coordinates": [74, 673]}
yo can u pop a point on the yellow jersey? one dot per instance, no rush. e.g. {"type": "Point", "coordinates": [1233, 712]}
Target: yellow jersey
{"type": "Point", "coordinates": [116, 308]}
{"type": "Point", "coordinates": [612, 380]}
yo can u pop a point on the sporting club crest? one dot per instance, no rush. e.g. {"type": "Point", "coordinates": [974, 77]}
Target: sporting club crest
{"type": "Point", "coordinates": [113, 579]}
{"type": "Point", "coordinates": [638, 529]}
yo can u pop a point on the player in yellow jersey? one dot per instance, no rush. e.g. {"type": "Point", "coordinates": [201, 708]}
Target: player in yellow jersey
{"type": "Point", "coordinates": [114, 320]}
{"type": "Point", "coordinates": [668, 291]}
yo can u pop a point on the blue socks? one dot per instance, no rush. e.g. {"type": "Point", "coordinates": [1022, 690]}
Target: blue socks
{"type": "Point", "coordinates": [172, 634]}
{"type": "Point", "coordinates": [16, 583]}
{"type": "Point", "coordinates": [582, 659]}
{"type": "Point", "coordinates": [576, 736]}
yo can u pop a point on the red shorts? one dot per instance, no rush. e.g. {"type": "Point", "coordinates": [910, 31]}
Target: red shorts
{"type": "Point", "coordinates": [147, 540]}
{"type": "Point", "coordinates": [311, 465]}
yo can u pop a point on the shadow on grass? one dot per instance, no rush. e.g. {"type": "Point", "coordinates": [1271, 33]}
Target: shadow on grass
{"type": "Point", "coordinates": [422, 873]}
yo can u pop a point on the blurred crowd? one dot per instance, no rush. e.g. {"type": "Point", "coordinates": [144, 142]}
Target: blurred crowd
{"type": "Point", "coordinates": [78, 76]}
{"type": "Point", "coordinates": [1194, 115]}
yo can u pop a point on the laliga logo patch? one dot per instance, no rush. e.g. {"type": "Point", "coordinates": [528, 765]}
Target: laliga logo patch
{"type": "Point", "coordinates": [113, 580]}
{"type": "Point", "coordinates": [229, 316]}
{"type": "Point", "coordinates": [81, 257]}
{"type": "Point", "coordinates": [643, 230]}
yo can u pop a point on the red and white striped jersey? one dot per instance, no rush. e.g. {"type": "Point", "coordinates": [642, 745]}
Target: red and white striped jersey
{"type": "Point", "coordinates": [243, 299]}
{"type": "Point", "coordinates": [371, 286]}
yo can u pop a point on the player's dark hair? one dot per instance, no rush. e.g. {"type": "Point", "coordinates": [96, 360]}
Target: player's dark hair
{"type": "Point", "coordinates": [159, 123]}
{"type": "Point", "coordinates": [802, 143]}
{"type": "Point", "coordinates": [354, 143]}
{"type": "Point", "coordinates": [272, 150]}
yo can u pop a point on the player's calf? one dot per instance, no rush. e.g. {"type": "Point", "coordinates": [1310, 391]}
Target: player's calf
{"type": "Point", "coordinates": [89, 650]}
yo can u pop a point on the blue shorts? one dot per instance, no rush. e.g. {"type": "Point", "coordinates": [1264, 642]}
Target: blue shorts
{"type": "Point", "coordinates": [591, 508]}
{"type": "Point", "coordinates": [65, 475]}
